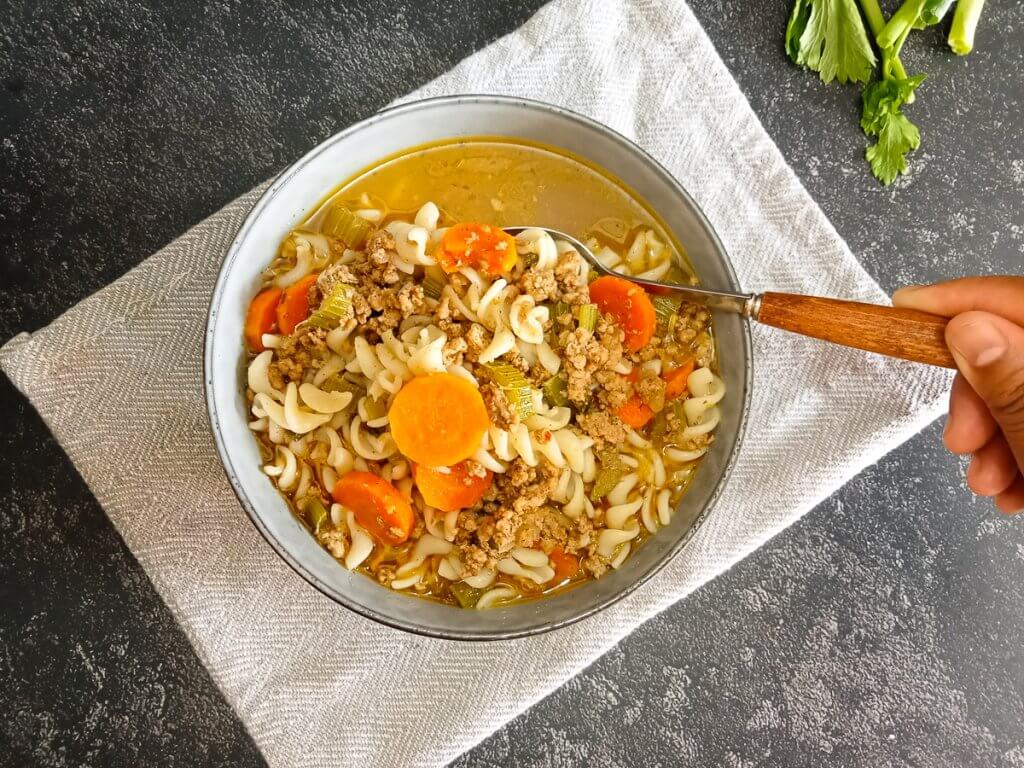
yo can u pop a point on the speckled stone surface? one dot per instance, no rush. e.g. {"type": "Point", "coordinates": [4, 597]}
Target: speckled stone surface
{"type": "Point", "coordinates": [882, 630]}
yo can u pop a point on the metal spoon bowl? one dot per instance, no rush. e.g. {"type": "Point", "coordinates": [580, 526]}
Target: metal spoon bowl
{"type": "Point", "coordinates": [895, 332]}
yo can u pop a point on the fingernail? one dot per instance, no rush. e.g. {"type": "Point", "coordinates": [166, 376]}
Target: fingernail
{"type": "Point", "coordinates": [949, 416]}
{"type": "Point", "coordinates": [904, 292]}
{"type": "Point", "coordinates": [978, 341]}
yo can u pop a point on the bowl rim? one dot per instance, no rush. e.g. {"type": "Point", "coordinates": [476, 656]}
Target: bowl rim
{"type": "Point", "coordinates": [228, 465]}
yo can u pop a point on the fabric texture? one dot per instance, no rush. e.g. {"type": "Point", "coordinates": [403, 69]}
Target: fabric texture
{"type": "Point", "coordinates": [119, 381]}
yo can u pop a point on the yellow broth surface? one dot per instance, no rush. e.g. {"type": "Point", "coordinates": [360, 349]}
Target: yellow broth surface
{"type": "Point", "coordinates": [508, 184]}
{"type": "Point", "coordinates": [505, 183]}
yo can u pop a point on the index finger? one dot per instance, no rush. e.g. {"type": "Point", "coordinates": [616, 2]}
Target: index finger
{"type": "Point", "coordinates": [1000, 295]}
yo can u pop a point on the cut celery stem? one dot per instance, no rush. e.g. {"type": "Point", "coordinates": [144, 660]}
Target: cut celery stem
{"type": "Point", "coordinates": [873, 13]}
{"type": "Point", "coordinates": [899, 22]}
{"type": "Point", "coordinates": [891, 64]}
{"type": "Point", "coordinates": [965, 23]}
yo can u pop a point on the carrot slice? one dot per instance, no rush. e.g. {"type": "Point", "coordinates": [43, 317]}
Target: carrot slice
{"type": "Point", "coordinates": [377, 505]}
{"type": "Point", "coordinates": [294, 306]}
{"type": "Point", "coordinates": [261, 317]}
{"type": "Point", "coordinates": [628, 305]}
{"type": "Point", "coordinates": [675, 380]}
{"type": "Point", "coordinates": [635, 412]}
{"type": "Point", "coordinates": [566, 566]}
{"type": "Point", "coordinates": [452, 490]}
{"type": "Point", "coordinates": [438, 420]}
{"type": "Point", "coordinates": [482, 246]}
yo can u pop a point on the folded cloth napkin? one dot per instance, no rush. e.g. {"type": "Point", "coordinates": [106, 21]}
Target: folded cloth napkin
{"type": "Point", "coordinates": [118, 379]}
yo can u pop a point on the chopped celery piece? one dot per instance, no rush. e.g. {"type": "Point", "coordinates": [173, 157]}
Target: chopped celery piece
{"type": "Point", "coordinates": [465, 594]}
{"type": "Point", "coordinates": [643, 467]}
{"type": "Point", "coordinates": [556, 391]}
{"type": "Point", "coordinates": [934, 10]}
{"type": "Point", "coordinates": [561, 308]}
{"type": "Point", "coordinates": [588, 317]}
{"type": "Point", "coordinates": [506, 376]}
{"type": "Point", "coordinates": [375, 409]}
{"type": "Point", "coordinates": [432, 288]}
{"type": "Point", "coordinates": [680, 414]}
{"type": "Point", "coordinates": [515, 386]}
{"type": "Point", "coordinates": [521, 401]}
{"type": "Point", "coordinates": [609, 475]}
{"type": "Point", "coordinates": [336, 383]}
{"type": "Point", "coordinates": [666, 310]}
{"type": "Point", "coordinates": [316, 512]}
{"type": "Point", "coordinates": [659, 426]}
{"type": "Point", "coordinates": [340, 222]}
{"type": "Point", "coordinates": [334, 309]}
{"type": "Point", "coordinates": [341, 383]}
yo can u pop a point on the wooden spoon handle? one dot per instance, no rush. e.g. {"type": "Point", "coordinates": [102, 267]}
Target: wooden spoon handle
{"type": "Point", "coordinates": [904, 333]}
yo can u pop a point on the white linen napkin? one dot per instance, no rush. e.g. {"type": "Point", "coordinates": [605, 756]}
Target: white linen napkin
{"type": "Point", "coordinates": [118, 380]}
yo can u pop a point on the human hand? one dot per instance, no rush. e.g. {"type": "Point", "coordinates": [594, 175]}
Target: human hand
{"type": "Point", "coordinates": [986, 405]}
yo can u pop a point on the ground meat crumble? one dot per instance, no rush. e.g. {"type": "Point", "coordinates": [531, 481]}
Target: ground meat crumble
{"type": "Point", "coordinates": [301, 352]}
{"type": "Point", "coordinates": [586, 354]}
{"type": "Point", "coordinates": [516, 510]}
{"type": "Point", "coordinates": [606, 428]}
{"type": "Point", "coordinates": [692, 333]}
{"type": "Point", "coordinates": [650, 388]}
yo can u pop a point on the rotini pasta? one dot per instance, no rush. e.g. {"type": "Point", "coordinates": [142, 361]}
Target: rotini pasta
{"type": "Point", "coordinates": [554, 480]}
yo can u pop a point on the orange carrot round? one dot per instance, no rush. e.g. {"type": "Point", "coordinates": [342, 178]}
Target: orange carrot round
{"type": "Point", "coordinates": [452, 490]}
{"type": "Point", "coordinates": [628, 305]}
{"type": "Point", "coordinates": [294, 306]}
{"type": "Point", "coordinates": [438, 420]}
{"type": "Point", "coordinates": [566, 566]}
{"type": "Point", "coordinates": [377, 506]}
{"type": "Point", "coordinates": [635, 412]}
{"type": "Point", "coordinates": [482, 246]}
{"type": "Point", "coordinates": [261, 317]}
{"type": "Point", "coordinates": [675, 380]}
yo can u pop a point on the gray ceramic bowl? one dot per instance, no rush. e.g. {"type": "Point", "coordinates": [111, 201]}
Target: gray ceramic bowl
{"type": "Point", "coordinates": [285, 204]}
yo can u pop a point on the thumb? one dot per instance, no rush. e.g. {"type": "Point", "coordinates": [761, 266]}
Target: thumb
{"type": "Point", "coordinates": [989, 351]}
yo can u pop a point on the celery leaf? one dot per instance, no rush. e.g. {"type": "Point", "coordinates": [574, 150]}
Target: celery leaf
{"type": "Point", "coordinates": [828, 36]}
{"type": "Point", "coordinates": [882, 117]}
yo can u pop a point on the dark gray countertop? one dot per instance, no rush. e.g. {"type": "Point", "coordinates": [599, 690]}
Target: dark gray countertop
{"type": "Point", "coordinates": [882, 629]}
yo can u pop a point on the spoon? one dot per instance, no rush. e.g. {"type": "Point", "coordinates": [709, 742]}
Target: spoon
{"type": "Point", "coordinates": [892, 331]}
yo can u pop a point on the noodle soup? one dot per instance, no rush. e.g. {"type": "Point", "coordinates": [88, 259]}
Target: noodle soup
{"type": "Point", "coordinates": [469, 416]}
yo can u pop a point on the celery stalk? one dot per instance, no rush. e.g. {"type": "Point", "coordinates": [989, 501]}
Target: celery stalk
{"type": "Point", "coordinates": [556, 391]}
{"type": "Point", "coordinates": [316, 512]}
{"type": "Point", "coordinates": [587, 317]}
{"type": "Point", "coordinates": [891, 63]}
{"type": "Point", "coordinates": [514, 385]}
{"type": "Point", "coordinates": [899, 23]}
{"type": "Point", "coordinates": [340, 222]}
{"type": "Point", "coordinates": [965, 23]}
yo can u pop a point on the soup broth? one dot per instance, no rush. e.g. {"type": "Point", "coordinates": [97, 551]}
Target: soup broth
{"type": "Point", "coordinates": [610, 471]}
{"type": "Point", "coordinates": [509, 184]}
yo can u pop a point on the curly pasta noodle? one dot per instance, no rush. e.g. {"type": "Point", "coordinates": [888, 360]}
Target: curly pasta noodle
{"type": "Point", "coordinates": [561, 447]}
{"type": "Point", "coordinates": [320, 407]}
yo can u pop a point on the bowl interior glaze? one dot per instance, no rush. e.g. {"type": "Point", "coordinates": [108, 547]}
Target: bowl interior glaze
{"type": "Point", "coordinates": [287, 202]}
